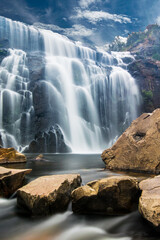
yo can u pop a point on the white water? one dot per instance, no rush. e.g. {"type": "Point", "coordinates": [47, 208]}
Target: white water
{"type": "Point", "coordinates": [14, 76]}
{"type": "Point", "coordinates": [94, 98]}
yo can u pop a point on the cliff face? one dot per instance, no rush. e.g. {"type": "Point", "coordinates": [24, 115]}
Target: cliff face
{"type": "Point", "coordinates": [147, 75]}
{"type": "Point", "coordinates": [145, 46]}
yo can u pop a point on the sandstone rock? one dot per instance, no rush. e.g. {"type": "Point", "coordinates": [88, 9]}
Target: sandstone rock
{"type": "Point", "coordinates": [48, 194]}
{"type": "Point", "coordinates": [11, 180]}
{"type": "Point", "coordinates": [10, 155]}
{"type": "Point", "coordinates": [40, 157]}
{"type": "Point", "coordinates": [110, 196]}
{"type": "Point", "coordinates": [149, 202]}
{"type": "Point", "coordinates": [138, 148]}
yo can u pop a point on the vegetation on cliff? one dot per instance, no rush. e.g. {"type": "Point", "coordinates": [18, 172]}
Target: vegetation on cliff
{"type": "Point", "coordinates": [145, 46]}
{"type": "Point", "coordinates": [147, 42]}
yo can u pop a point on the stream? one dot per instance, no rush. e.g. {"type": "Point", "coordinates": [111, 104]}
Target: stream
{"type": "Point", "coordinates": [14, 225]}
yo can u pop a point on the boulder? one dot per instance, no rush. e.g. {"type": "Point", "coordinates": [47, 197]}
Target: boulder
{"type": "Point", "coordinates": [149, 202]}
{"type": "Point", "coordinates": [138, 148]}
{"type": "Point", "coordinates": [10, 155]}
{"type": "Point", "coordinates": [48, 194]}
{"type": "Point", "coordinates": [110, 196]}
{"type": "Point", "coordinates": [11, 180]}
{"type": "Point", "coordinates": [39, 157]}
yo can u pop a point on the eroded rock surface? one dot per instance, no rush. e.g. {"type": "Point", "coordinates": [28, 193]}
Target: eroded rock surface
{"type": "Point", "coordinates": [50, 141]}
{"type": "Point", "coordinates": [138, 148]}
{"type": "Point", "coordinates": [149, 203]}
{"type": "Point", "coordinates": [11, 180]}
{"type": "Point", "coordinates": [111, 196]}
{"type": "Point", "coordinates": [48, 194]}
{"type": "Point", "coordinates": [10, 155]}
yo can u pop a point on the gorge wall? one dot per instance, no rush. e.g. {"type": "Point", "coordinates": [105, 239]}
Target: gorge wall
{"type": "Point", "coordinates": [59, 96]}
{"type": "Point", "coordinates": [145, 47]}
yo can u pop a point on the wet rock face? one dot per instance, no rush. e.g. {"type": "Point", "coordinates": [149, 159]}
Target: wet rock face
{"type": "Point", "coordinates": [48, 194]}
{"type": "Point", "coordinates": [138, 148]}
{"type": "Point", "coordinates": [149, 203]}
{"type": "Point", "coordinates": [146, 71]}
{"type": "Point", "coordinates": [3, 53]}
{"type": "Point", "coordinates": [10, 155]}
{"type": "Point", "coordinates": [36, 66]}
{"type": "Point", "coordinates": [46, 137]}
{"type": "Point", "coordinates": [11, 180]}
{"type": "Point", "coordinates": [51, 141]}
{"type": "Point", "coordinates": [109, 196]}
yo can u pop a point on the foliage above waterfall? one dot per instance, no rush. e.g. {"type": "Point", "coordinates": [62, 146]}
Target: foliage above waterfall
{"type": "Point", "coordinates": [144, 44]}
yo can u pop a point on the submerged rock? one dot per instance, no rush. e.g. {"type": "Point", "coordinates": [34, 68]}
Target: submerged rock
{"type": "Point", "coordinates": [138, 148]}
{"type": "Point", "coordinates": [110, 196]}
{"type": "Point", "coordinates": [10, 155]}
{"type": "Point", "coordinates": [11, 180]}
{"type": "Point", "coordinates": [149, 202]}
{"type": "Point", "coordinates": [40, 157]}
{"type": "Point", "coordinates": [48, 194]}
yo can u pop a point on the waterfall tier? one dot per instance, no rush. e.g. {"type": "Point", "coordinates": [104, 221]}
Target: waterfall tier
{"type": "Point", "coordinates": [50, 85]}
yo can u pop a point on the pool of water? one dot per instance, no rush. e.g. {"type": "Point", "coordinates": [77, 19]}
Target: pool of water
{"type": "Point", "coordinates": [68, 226]}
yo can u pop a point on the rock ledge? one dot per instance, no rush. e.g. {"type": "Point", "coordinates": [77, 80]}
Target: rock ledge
{"type": "Point", "coordinates": [10, 155]}
{"type": "Point", "coordinates": [11, 180]}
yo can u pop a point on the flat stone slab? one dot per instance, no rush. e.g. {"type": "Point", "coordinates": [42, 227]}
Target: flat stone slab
{"type": "Point", "coordinates": [149, 203]}
{"type": "Point", "coordinates": [109, 196]}
{"type": "Point", "coordinates": [11, 180]}
{"type": "Point", "coordinates": [48, 194]}
{"type": "Point", "coordinates": [10, 155]}
{"type": "Point", "coordinates": [4, 172]}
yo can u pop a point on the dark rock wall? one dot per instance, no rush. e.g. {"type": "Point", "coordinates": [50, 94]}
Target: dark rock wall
{"type": "Point", "coordinates": [146, 71]}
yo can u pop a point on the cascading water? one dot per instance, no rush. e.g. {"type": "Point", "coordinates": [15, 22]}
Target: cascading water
{"type": "Point", "coordinates": [88, 94]}
{"type": "Point", "coordinates": [16, 100]}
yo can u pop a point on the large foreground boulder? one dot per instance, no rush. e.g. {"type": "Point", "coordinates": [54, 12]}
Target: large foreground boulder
{"type": "Point", "coordinates": [149, 202]}
{"type": "Point", "coordinates": [138, 148]}
{"type": "Point", "coordinates": [10, 155]}
{"type": "Point", "coordinates": [111, 196]}
{"type": "Point", "coordinates": [48, 194]}
{"type": "Point", "coordinates": [11, 180]}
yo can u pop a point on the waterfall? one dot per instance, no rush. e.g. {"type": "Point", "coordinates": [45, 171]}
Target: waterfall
{"type": "Point", "coordinates": [15, 98]}
{"type": "Point", "coordinates": [87, 93]}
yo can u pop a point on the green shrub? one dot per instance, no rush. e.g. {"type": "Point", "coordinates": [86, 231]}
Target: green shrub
{"type": "Point", "coordinates": [156, 56]}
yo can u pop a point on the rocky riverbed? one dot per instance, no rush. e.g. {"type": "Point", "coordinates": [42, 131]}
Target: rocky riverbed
{"type": "Point", "coordinates": [67, 225]}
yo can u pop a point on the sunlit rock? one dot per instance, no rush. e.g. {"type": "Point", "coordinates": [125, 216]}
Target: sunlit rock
{"type": "Point", "coordinates": [138, 148]}
{"type": "Point", "coordinates": [10, 155]}
{"type": "Point", "coordinates": [48, 194]}
{"type": "Point", "coordinates": [40, 157]}
{"type": "Point", "coordinates": [110, 196]}
{"type": "Point", "coordinates": [11, 180]}
{"type": "Point", "coordinates": [149, 203]}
